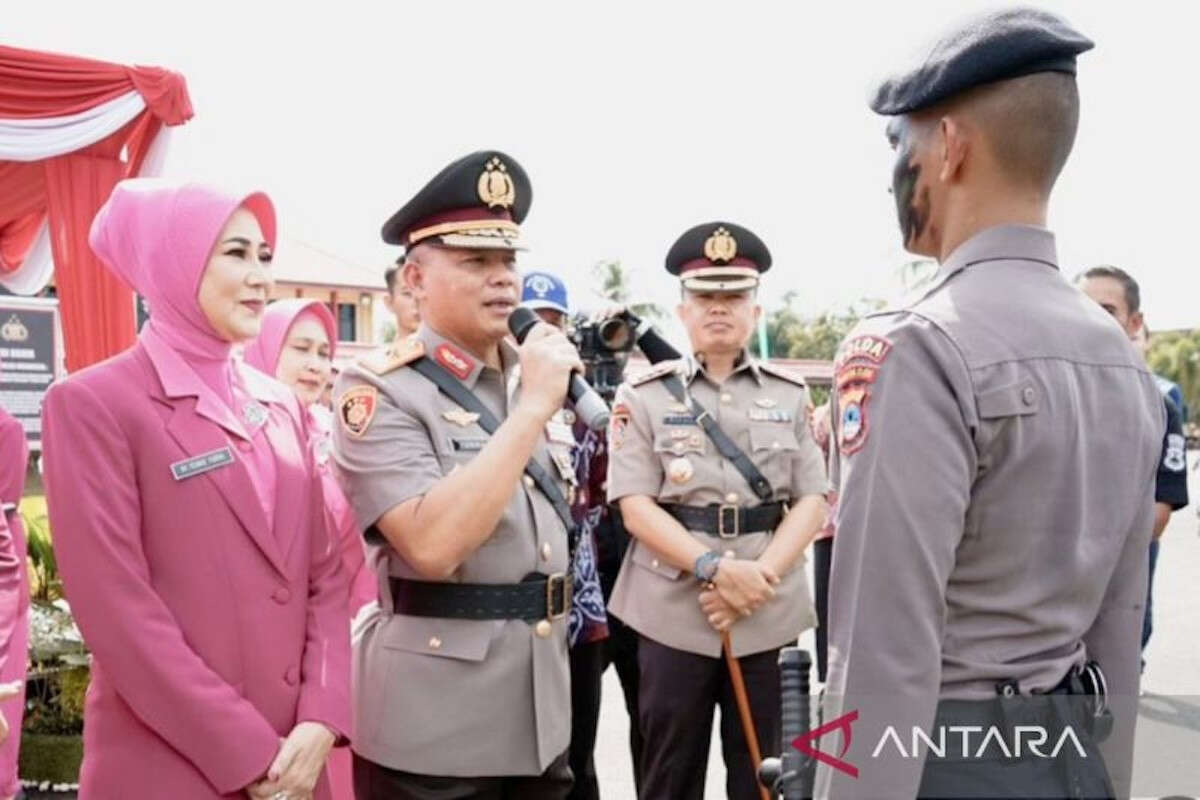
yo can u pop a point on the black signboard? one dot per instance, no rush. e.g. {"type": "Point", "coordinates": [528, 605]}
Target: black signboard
{"type": "Point", "coordinates": [28, 360]}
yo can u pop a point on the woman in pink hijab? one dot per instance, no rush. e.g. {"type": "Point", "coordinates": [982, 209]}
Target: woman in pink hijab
{"type": "Point", "coordinates": [14, 599]}
{"type": "Point", "coordinates": [297, 345]}
{"type": "Point", "coordinates": [189, 523]}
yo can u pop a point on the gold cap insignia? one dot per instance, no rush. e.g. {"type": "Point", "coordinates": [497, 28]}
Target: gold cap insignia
{"type": "Point", "coordinates": [14, 330]}
{"type": "Point", "coordinates": [496, 185]}
{"type": "Point", "coordinates": [721, 246]}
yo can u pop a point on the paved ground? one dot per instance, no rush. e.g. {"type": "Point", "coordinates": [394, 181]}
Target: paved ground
{"type": "Point", "coordinates": [1168, 750]}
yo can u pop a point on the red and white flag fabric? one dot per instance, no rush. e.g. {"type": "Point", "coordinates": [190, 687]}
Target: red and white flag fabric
{"type": "Point", "coordinates": [70, 128]}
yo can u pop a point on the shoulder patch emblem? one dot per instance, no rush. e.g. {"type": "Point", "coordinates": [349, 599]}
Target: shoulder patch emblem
{"type": "Point", "coordinates": [617, 423]}
{"type": "Point", "coordinates": [858, 362]}
{"type": "Point", "coordinates": [356, 409]}
{"type": "Point", "coordinates": [403, 351]}
{"type": "Point", "coordinates": [657, 371]}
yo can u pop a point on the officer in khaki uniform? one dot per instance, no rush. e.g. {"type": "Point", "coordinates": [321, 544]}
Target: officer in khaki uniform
{"type": "Point", "coordinates": [460, 675]}
{"type": "Point", "coordinates": [698, 520]}
{"type": "Point", "coordinates": [997, 439]}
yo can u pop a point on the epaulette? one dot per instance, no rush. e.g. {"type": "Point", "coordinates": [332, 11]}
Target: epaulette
{"type": "Point", "coordinates": [384, 360]}
{"type": "Point", "coordinates": [657, 371]}
{"type": "Point", "coordinates": [782, 372]}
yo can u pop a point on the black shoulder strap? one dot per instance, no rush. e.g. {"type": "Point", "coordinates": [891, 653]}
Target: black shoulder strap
{"type": "Point", "coordinates": [725, 446]}
{"type": "Point", "coordinates": [452, 388]}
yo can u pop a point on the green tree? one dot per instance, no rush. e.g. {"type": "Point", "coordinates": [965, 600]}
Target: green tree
{"type": "Point", "coordinates": [612, 283]}
{"type": "Point", "coordinates": [1176, 356]}
{"type": "Point", "coordinates": [791, 334]}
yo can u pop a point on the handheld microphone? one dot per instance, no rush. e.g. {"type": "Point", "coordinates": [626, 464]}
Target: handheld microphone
{"type": "Point", "coordinates": [589, 405]}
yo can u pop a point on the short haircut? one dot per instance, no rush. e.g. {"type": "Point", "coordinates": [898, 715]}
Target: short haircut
{"type": "Point", "coordinates": [1133, 295]}
{"type": "Point", "coordinates": [1029, 122]}
{"type": "Point", "coordinates": [392, 274]}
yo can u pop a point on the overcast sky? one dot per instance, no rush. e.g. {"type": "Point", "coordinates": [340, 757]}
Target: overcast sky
{"type": "Point", "coordinates": [638, 120]}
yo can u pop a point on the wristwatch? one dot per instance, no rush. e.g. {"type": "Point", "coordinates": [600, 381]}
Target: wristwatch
{"type": "Point", "coordinates": [706, 565]}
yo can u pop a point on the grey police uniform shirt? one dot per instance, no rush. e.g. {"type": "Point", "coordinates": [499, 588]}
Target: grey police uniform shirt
{"type": "Point", "coordinates": [765, 412]}
{"type": "Point", "coordinates": [452, 697]}
{"type": "Point", "coordinates": [997, 441]}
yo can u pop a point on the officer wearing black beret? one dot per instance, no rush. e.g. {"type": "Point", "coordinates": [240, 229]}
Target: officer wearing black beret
{"type": "Point", "coordinates": [996, 445]}
{"type": "Point", "coordinates": [721, 484]}
{"type": "Point", "coordinates": [458, 470]}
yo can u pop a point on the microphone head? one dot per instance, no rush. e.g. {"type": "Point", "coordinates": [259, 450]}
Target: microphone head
{"type": "Point", "coordinates": [521, 322]}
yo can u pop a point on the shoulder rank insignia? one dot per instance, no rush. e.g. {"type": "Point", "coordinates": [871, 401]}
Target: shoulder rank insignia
{"type": "Point", "coordinates": [657, 371]}
{"type": "Point", "coordinates": [782, 372]}
{"type": "Point", "coordinates": [402, 351]}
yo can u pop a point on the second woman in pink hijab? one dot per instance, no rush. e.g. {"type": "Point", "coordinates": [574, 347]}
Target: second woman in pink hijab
{"type": "Point", "coordinates": [296, 346]}
{"type": "Point", "coordinates": [189, 523]}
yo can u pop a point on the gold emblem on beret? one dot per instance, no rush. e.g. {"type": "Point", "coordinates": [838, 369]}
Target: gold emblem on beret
{"type": "Point", "coordinates": [721, 246]}
{"type": "Point", "coordinates": [496, 185]}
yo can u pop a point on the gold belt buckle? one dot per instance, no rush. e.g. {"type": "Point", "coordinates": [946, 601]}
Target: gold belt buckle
{"type": "Point", "coordinates": [721, 530]}
{"type": "Point", "coordinates": [563, 580]}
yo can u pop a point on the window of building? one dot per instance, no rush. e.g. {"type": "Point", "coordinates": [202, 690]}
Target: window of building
{"type": "Point", "coordinates": [347, 322]}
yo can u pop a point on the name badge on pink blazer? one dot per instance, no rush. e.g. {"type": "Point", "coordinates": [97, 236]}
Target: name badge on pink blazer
{"type": "Point", "coordinates": [205, 462]}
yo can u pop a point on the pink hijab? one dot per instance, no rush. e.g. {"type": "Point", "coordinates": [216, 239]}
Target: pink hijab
{"type": "Point", "coordinates": [157, 236]}
{"type": "Point", "coordinates": [263, 352]}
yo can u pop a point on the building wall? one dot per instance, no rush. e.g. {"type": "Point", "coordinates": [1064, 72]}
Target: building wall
{"type": "Point", "coordinates": [362, 320]}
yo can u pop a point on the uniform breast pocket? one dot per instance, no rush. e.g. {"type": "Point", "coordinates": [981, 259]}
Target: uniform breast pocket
{"type": "Point", "coordinates": [774, 447]}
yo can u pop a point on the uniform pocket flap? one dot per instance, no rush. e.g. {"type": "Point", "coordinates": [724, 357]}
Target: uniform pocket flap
{"type": "Point", "coordinates": [465, 639]}
{"type": "Point", "coordinates": [1015, 400]}
{"type": "Point", "coordinates": [648, 559]}
{"type": "Point", "coordinates": [775, 436]}
{"type": "Point", "coordinates": [679, 441]}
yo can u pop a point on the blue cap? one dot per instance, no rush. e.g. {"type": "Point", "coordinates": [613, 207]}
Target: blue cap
{"type": "Point", "coordinates": [543, 290]}
{"type": "Point", "coordinates": [993, 47]}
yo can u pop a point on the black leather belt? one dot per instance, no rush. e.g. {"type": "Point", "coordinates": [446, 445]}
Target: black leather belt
{"type": "Point", "coordinates": [728, 521]}
{"type": "Point", "coordinates": [537, 597]}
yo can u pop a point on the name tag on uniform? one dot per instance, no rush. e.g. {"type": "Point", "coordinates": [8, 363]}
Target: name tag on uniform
{"type": "Point", "coordinates": [770, 415]}
{"type": "Point", "coordinates": [467, 445]}
{"type": "Point", "coordinates": [679, 419]}
{"type": "Point", "coordinates": [205, 462]}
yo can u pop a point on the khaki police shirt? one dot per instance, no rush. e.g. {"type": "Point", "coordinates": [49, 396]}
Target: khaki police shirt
{"type": "Point", "coordinates": [451, 697]}
{"type": "Point", "coordinates": [997, 441]}
{"type": "Point", "coordinates": [654, 443]}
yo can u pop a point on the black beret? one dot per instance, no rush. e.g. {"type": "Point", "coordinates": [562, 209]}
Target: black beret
{"type": "Point", "coordinates": [994, 47]}
{"type": "Point", "coordinates": [477, 201]}
{"type": "Point", "coordinates": [718, 256]}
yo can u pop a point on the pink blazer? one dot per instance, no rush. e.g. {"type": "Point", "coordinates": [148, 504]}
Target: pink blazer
{"type": "Point", "coordinates": [212, 633]}
{"type": "Point", "coordinates": [14, 603]}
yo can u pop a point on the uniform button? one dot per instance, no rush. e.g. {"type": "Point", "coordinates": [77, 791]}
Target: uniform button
{"type": "Point", "coordinates": [281, 595]}
{"type": "Point", "coordinates": [726, 398]}
{"type": "Point", "coordinates": [435, 643]}
{"type": "Point", "coordinates": [547, 551]}
{"type": "Point", "coordinates": [654, 563]}
{"type": "Point", "coordinates": [245, 447]}
{"type": "Point", "coordinates": [774, 445]}
{"type": "Point", "coordinates": [1028, 395]}
{"type": "Point", "coordinates": [543, 629]}
{"type": "Point", "coordinates": [292, 676]}
{"type": "Point", "coordinates": [730, 554]}
{"type": "Point", "coordinates": [528, 482]}
{"type": "Point", "coordinates": [732, 498]}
